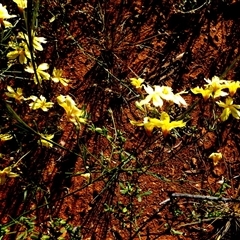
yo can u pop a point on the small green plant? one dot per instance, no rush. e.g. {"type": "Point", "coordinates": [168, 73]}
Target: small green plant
{"type": "Point", "coordinates": [60, 230]}
{"type": "Point", "coordinates": [26, 228]}
{"type": "Point", "coordinates": [129, 189]}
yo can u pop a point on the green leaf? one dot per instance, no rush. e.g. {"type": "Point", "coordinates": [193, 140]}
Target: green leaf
{"type": "Point", "coordinates": [23, 235]}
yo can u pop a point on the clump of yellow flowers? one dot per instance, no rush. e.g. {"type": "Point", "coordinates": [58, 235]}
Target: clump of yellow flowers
{"type": "Point", "coordinates": [22, 49]}
{"type": "Point", "coordinates": [215, 89]}
{"type": "Point", "coordinates": [158, 97]}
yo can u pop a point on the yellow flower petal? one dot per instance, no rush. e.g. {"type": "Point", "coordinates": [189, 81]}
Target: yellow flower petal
{"type": "Point", "coordinates": [21, 3]}
{"type": "Point", "coordinates": [7, 173]}
{"type": "Point", "coordinates": [225, 114]}
{"type": "Point", "coordinates": [137, 82]}
{"type": "Point", "coordinates": [206, 93]}
{"type": "Point", "coordinates": [216, 157]}
{"type": "Point", "coordinates": [167, 126]}
{"type": "Point", "coordinates": [43, 66]}
{"type": "Point", "coordinates": [5, 137]}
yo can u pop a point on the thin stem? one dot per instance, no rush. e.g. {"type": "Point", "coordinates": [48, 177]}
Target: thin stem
{"type": "Point", "coordinates": [30, 21]}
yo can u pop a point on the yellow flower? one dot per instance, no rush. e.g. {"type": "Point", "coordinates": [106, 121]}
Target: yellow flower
{"type": "Point", "coordinates": [152, 96]}
{"type": "Point", "coordinates": [232, 86]}
{"type": "Point", "coordinates": [42, 141]}
{"type": "Point", "coordinates": [18, 95]}
{"type": "Point", "coordinates": [40, 103]}
{"type": "Point", "coordinates": [229, 108]}
{"type": "Point", "coordinates": [57, 77]}
{"type": "Point", "coordinates": [216, 157]}
{"type": "Point", "coordinates": [21, 3]}
{"type": "Point", "coordinates": [137, 82]}
{"type": "Point", "coordinates": [41, 74]}
{"type": "Point", "coordinates": [4, 15]}
{"type": "Point", "coordinates": [21, 51]}
{"type": "Point", "coordinates": [36, 41]}
{"type": "Point", "coordinates": [74, 114]}
{"type": "Point", "coordinates": [5, 173]}
{"type": "Point", "coordinates": [215, 86]}
{"type": "Point", "coordinates": [5, 137]}
{"type": "Point", "coordinates": [206, 93]}
{"type": "Point", "coordinates": [167, 126]}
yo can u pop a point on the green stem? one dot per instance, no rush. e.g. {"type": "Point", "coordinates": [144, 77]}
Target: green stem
{"type": "Point", "coordinates": [30, 21]}
{"type": "Point", "coordinates": [230, 67]}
